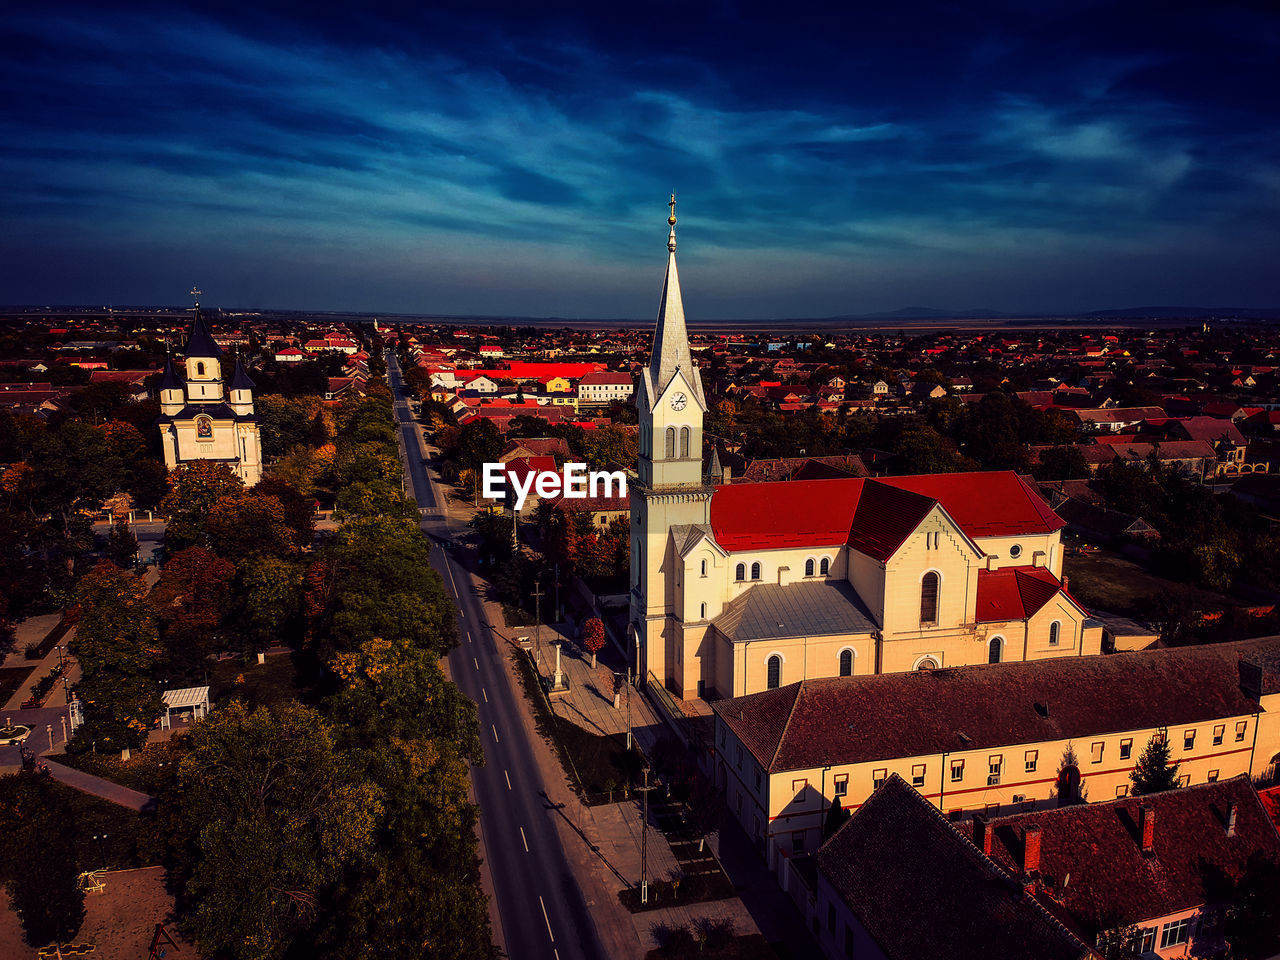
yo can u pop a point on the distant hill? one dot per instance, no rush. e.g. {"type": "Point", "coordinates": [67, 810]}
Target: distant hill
{"type": "Point", "coordinates": [1130, 313]}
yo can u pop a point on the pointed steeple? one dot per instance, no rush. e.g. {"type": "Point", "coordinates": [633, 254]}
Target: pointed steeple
{"type": "Point", "coordinates": [671, 337]}
{"type": "Point", "coordinates": [240, 380]}
{"type": "Point", "coordinates": [201, 342]}
{"type": "Point", "coordinates": [170, 380]}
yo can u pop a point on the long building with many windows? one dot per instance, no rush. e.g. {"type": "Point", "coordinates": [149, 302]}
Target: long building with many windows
{"type": "Point", "coordinates": [993, 739]}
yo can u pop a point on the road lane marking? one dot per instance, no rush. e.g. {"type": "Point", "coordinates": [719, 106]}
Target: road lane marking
{"type": "Point", "coordinates": [523, 840]}
{"type": "Point", "coordinates": [495, 733]}
{"type": "Point", "coordinates": [546, 919]}
{"type": "Point", "coordinates": [448, 566]}
{"type": "Point", "coordinates": [468, 636]}
{"type": "Point", "coordinates": [485, 693]}
{"type": "Point", "coordinates": [508, 776]}
{"type": "Point", "coordinates": [476, 662]}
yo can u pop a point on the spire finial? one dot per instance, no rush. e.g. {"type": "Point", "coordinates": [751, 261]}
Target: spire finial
{"type": "Point", "coordinates": [671, 237]}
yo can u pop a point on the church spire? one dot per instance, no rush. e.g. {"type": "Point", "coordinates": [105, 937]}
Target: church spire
{"type": "Point", "coordinates": [671, 337]}
{"type": "Point", "coordinates": [201, 342]}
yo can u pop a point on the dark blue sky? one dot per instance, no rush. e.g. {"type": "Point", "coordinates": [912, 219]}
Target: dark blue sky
{"type": "Point", "coordinates": [1007, 155]}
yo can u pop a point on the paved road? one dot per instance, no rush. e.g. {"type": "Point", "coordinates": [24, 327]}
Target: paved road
{"type": "Point", "coordinates": [542, 909]}
{"type": "Point", "coordinates": [424, 488]}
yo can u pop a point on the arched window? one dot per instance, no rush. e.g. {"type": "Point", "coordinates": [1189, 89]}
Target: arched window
{"type": "Point", "coordinates": [684, 443]}
{"type": "Point", "coordinates": [808, 567]}
{"type": "Point", "coordinates": [928, 663]}
{"type": "Point", "coordinates": [993, 651]}
{"type": "Point", "coordinates": [1054, 629]}
{"type": "Point", "coordinates": [755, 571]}
{"type": "Point", "coordinates": [671, 443]}
{"type": "Point", "coordinates": [775, 672]}
{"type": "Point", "coordinates": [929, 598]}
{"type": "Point", "coordinates": [740, 572]}
{"type": "Point", "coordinates": [825, 567]}
{"type": "Point", "coordinates": [199, 369]}
{"type": "Point", "coordinates": [704, 568]}
{"type": "Point", "coordinates": [846, 663]}
{"type": "Point", "coordinates": [702, 613]}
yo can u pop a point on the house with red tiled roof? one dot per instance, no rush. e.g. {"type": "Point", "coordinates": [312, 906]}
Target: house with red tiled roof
{"type": "Point", "coordinates": [742, 587]}
{"type": "Point", "coordinates": [993, 740]}
{"type": "Point", "coordinates": [1159, 863]}
{"type": "Point", "coordinates": [898, 882]}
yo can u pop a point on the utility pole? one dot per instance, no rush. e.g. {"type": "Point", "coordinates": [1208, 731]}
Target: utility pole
{"type": "Point", "coordinates": [537, 615]}
{"type": "Point", "coordinates": [644, 841]}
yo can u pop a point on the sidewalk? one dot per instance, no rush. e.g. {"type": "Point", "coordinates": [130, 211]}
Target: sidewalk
{"type": "Point", "coordinates": [603, 842]}
{"type": "Point", "coordinates": [88, 783]}
{"type": "Point", "coordinates": [30, 630]}
{"type": "Point", "coordinates": [39, 669]}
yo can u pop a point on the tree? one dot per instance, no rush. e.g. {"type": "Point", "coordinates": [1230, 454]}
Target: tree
{"type": "Point", "coordinates": [1153, 772]}
{"type": "Point", "coordinates": [414, 731]}
{"type": "Point", "coordinates": [269, 600]}
{"type": "Point", "coordinates": [1120, 943]}
{"type": "Point", "coordinates": [194, 490]}
{"type": "Point", "coordinates": [1252, 925]}
{"type": "Point", "coordinates": [191, 598]}
{"type": "Point", "coordinates": [381, 584]}
{"type": "Point", "coordinates": [265, 813]}
{"type": "Point", "coordinates": [122, 545]}
{"type": "Point", "coordinates": [249, 524]}
{"type": "Point", "coordinates": [593, 637]}
{"type": "Point", "coordinates": [38, 860]}
{"type": "Point", "coordinates": [393, 689]}
{"type": "Point", "coordinates": [836, 817]}
{"type": "Point", "coordinates": [1061, 463]}
{"type": "Point", "coordinates": [117, 643]}
{"type": "Point", "coordinates": [706, 809]}
{"type": "Point", "coordinates": [74, 470]}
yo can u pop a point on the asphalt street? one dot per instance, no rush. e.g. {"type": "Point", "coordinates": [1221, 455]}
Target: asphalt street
{"type": "Point", "coordinates": [542, 908]}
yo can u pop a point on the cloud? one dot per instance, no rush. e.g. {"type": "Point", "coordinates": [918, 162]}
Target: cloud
{"type": "Point", "coordinates": [442, 153]}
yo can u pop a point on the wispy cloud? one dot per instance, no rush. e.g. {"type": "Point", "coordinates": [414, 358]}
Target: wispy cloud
{"type": "Point", "coordinates": [552, 157]}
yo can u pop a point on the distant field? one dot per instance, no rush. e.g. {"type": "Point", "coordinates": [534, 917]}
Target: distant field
{"type": "Point", "coordinates": [1112, 583]}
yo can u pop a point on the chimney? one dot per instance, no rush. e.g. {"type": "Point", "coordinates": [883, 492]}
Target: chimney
{"type": "Point", "coordinates": [982, 834]}
{"type": "Point", "coordinates": [1065, 581]}
{"type": "Point", "coordinates": [1231, 820]}
{"type": "Point", "coordinates": [1031, 849]}
{"type": "Point", "coordinates": [1147, 823]}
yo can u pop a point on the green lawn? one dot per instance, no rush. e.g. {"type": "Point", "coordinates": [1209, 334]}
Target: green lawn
{"type": "Point", "coordinates": [1115, 584]}
{"type": "Point", "coordinates": [266, 684]}
{"type": "Point", "coordinates": [143, 771]}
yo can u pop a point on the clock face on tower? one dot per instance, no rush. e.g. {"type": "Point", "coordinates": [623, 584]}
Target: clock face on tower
{"type": "Point", "coordinates": [678, 401]}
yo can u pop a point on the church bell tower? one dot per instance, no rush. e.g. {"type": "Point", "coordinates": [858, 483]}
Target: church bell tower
{"type": "Point", "coordinates": [669, 491]}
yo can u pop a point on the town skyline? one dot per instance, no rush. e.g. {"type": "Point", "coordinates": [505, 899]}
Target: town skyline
{"type": "Point", "coordinates": [508, 165]}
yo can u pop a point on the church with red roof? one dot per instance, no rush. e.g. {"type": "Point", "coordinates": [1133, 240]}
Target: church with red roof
{"type": "Point", "coordinates": [745, 587]}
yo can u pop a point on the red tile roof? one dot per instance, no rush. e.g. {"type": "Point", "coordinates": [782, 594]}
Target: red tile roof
{"type": "Point", "coordinates": [922, 891]}
{"type": "Point", "coordinates": [986, 504]}
{"type": "Point", "coordinates": [800, 513]}
{"type": "Point", "coordinates": [886, 517]}
{"type": "Point", "coordinates": [1015, 593]}
{"type": "Point", "coordinates": [842, 720]}
{"type": "Point", "coordinates": [1099, 846]}
{"type": "Point", "coordinates": [874, 516]}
